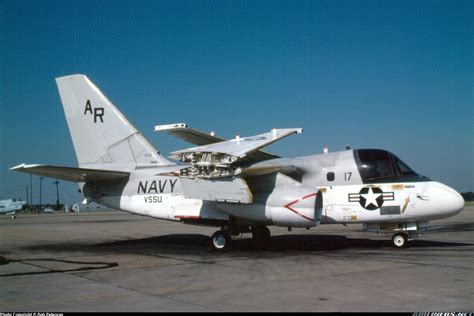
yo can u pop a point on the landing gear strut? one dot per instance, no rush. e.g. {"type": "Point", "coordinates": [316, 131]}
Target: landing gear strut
{"type": "Point", "coordinates": [261, 236]}
{"type": "Point", "coordinates": [260, 233]}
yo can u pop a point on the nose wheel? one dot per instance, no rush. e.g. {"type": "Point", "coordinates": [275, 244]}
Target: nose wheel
{"type": "Point", "coordinates": [400, 240]}
{"type": "Point", "coordinates": [221, 240]}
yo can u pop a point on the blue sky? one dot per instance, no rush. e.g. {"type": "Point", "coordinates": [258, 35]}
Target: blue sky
{"type": "Point", "coordinates": [396, 75]}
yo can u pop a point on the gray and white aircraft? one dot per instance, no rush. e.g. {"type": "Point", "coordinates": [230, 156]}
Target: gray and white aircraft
{"type": "Point", "coordinates": [234, 184]}
{"type": "Point", "coordinates": [10, 206]}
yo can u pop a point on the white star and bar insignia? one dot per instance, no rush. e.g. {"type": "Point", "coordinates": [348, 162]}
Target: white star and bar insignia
{"type": "Point", "coordinates": [371, 197]}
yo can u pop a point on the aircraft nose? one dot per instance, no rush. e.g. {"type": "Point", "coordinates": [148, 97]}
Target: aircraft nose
{"type": "Point", "coordinates": [449, 201]}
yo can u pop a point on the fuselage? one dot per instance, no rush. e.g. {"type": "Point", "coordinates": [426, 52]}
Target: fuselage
{"type": "Point", "coordinates": [352, 186]}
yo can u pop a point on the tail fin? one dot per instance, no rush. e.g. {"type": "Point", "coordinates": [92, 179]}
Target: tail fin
{"type": "Point", "coordinates": [103, 138]}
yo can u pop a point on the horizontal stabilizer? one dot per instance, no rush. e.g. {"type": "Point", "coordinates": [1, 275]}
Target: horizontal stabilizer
{"type": "Point", "coordinates": [233, 190]}
{"type": "Point", "coordinates": [71, 174]}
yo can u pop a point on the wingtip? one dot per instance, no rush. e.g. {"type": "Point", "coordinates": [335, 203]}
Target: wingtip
{"type": "Point", "coordinates": [23, 166]}
{"type": "Point", "coordinates": [67, 77]}
{"type": "Point", "coordinates": [20, 166]}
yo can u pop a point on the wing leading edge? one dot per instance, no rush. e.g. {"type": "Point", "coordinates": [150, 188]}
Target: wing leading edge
{"type": "Point", "coordinates": [184, 132]}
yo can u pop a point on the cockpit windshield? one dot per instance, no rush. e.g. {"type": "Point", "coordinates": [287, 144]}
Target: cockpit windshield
{"type": "Point", "coordinates": [377, 165]}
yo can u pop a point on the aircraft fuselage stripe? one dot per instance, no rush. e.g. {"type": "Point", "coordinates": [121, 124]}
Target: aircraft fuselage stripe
{"type": "Point", "coordinates": [288, 206]}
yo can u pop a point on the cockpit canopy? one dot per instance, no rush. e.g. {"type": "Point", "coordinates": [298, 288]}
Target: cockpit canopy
{"type": "Point", "coordinates": [376, 165]}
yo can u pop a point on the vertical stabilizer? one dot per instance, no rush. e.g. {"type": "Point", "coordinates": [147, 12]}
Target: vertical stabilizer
{"type": "Point", "coordinates": [103, 138]}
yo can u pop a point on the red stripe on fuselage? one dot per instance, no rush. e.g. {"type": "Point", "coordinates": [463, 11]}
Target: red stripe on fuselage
{"type": "Point", "coordinates": [187, 217]}
{"type": "Point", "coordinates": [288, 206]}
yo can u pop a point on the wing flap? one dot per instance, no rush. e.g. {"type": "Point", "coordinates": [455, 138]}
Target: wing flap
{"type": "Point", "coordinates": [71, 174]}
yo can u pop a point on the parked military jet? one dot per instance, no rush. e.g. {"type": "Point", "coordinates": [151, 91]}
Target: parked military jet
{"type": "Point", "coordinates": [234, 184]}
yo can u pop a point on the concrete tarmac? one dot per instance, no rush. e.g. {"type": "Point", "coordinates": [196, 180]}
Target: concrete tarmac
{"type": "Point", "coordinates": [114, 261]}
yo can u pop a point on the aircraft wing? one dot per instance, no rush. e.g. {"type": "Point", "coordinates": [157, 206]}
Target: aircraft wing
{"type": "Point", "coordinates": [184, 132]}
{"type": "Point", "coordinates": [188, 134]}
{"type": "Point", "coordinates": [226, 158]}
{"type": "Point", "coordinates": [71, 174]}
{"type": "Point", "coordinates": [240, 147]}
{"type": "Point", "coordinates": [236, 189]}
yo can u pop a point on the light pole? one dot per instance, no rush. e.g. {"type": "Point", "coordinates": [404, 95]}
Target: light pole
{"type": "Point", "coordinates": [31, 190]}
{"type": "Point", "coordinates": [41, 182]}
{"type": "Point", "coordinates": [57, 194]}
{"type": "Point", "coordinates": [27, 198]}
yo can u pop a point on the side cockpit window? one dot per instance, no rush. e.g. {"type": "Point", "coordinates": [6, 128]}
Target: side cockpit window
{"type": "Point", "coordinates": [375, 164]}
{"type": "Point", "coordinates": [402, 169]}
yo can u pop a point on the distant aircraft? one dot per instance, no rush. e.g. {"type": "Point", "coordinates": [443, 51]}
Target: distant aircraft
{"type": "Point", "coordinates": [10, 206]}
{"type": "Point", "coordinates": [233, 184]}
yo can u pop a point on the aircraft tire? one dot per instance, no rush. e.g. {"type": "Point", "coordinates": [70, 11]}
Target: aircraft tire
{"type": "Point", "coordinates": [220, 240]}
{"type": "Point", "coordinates": [400, 240]}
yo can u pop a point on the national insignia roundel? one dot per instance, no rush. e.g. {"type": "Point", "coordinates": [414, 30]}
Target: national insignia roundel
{"type": "Point", "coordinates": [371, 197]}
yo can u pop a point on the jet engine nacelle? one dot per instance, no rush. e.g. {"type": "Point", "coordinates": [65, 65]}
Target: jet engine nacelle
{"type": "Point", "coordinates": [289, 203]}
{"type": "Point", "coordinates": [295, 206]}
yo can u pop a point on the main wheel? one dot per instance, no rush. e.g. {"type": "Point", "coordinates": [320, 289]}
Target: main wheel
{"type": "Point", "coordinates": [400, 240]}
{"type": "Point", "coordinates": [221, 240]}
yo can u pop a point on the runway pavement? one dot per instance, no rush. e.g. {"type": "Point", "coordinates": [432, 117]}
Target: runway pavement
{"type": "Point", "coordinates": [113, 261]}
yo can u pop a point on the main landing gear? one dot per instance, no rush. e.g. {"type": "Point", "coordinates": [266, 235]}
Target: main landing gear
{"type": "Point", "coordinates": [400, 240]}
{"type": "Point", "coordinates": [221, 240]}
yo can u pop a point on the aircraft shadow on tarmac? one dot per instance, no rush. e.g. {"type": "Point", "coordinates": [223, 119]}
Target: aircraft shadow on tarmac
{"type": "Point", "coordinates": [198, 244]}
